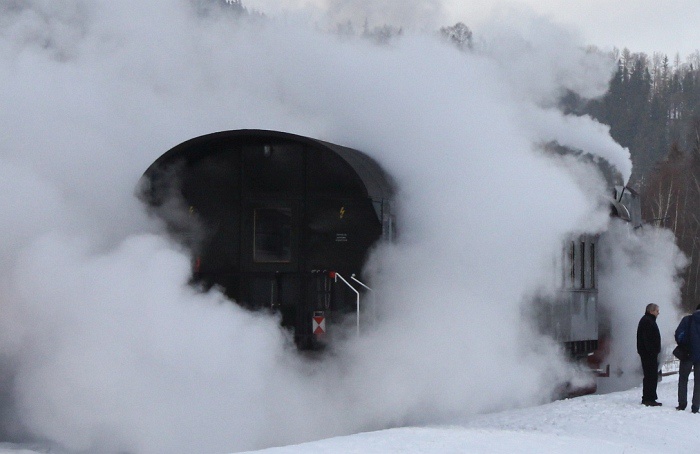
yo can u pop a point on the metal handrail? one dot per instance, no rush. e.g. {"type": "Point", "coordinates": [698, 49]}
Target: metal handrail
{"type": "Point", "coordinates": [336, 276]}
{"type": "Point", "coordinates": [373, 306]}
{"type": "Point", "coordinates": [358, 281]}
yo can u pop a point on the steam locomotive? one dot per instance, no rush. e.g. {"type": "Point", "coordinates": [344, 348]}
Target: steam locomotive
{"type": "Point", "coordinates": [284, 223]}
{"type": "Point", "coordinates": [278, 221]}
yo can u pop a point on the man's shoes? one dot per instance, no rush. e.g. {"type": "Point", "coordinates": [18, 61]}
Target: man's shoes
{"type": "Point", "coordinates": [651, 403]}
{"type": "Point", "coordinates": [694, 410]}
{"type": "Point", "coordinates": [680, 407]}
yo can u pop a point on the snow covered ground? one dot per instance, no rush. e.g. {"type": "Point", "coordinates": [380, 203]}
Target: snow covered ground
{"type": "Point", "coordinates": [609, 423]}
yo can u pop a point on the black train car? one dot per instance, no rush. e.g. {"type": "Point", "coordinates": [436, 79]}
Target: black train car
{"type": "Point", "coordinates": [271, 217]}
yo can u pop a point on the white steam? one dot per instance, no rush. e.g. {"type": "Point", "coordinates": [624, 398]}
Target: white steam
{"type": "Point", "coordinates": [412, 13]}
{"type": "Point", "coordinates": [640, 266]}
{"type": "Point", "coordinates": [112, 351]}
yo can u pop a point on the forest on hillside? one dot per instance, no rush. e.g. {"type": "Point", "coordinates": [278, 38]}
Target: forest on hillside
{"type": "Point", "coordinates": [653, 108]}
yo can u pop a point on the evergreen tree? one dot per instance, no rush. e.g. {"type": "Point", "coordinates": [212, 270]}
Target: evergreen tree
{"type": "Point", "coordinates": [459, 35]}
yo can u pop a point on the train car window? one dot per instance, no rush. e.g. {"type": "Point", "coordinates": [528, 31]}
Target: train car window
{"type": "Point", "coordinates": [583, 264]}
{"type": "Point", "coordinates": [572, 263]}
{"type": "Point", "coordinates": [592, 258]}
{"type": "Point", "coordinates": [272, 235]}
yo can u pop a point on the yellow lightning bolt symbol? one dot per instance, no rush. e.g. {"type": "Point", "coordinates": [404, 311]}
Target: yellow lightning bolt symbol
{"type": "Point", "coordinates": [342, 212]}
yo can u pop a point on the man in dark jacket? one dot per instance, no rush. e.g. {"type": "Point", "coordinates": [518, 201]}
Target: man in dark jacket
{"type": "Point", "coordinates": [688, 336]}
{"type": "Point", "coordinates": [649, 347]}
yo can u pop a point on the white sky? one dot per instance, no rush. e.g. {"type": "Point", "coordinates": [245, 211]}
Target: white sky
{"type": "Point", "coordinates": [649, 26]}
{"type": "Point", "coordinates": [667, 26]}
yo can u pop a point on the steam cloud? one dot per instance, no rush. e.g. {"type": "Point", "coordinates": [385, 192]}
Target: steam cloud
{"type": "Point", "coordinates": [640, 267]}
{"type": "Point", "coordinates": [108, 349]}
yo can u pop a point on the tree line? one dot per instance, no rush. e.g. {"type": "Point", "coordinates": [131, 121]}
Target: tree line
{"type": "Point", "coordinates": [650, 107]}
{"type": "Point", "coordinates": [653, 108]}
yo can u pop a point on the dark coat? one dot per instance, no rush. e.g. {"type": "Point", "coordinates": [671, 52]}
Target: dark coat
{"type": "Point", "coordinates": [695, 337]}
{"type": "Point", "coordinates": [648, 337]}
{"type": "Point", "coordinates": [681, 335]}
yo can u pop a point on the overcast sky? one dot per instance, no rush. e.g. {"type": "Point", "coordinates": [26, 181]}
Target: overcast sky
{"type": "Point", "coordinates": [667, 26]}
{"type": "Point", "coordinates": [649, 26]}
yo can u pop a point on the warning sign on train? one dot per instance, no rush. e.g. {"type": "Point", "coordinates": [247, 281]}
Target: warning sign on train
{"type": "Point", "coordinates": [318, 326]}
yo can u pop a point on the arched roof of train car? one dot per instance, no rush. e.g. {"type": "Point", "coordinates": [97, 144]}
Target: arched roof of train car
{"type": "Point", "coordinates": [376, 181]}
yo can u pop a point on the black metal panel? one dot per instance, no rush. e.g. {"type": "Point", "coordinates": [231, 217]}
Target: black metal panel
{"type": "Point", "coordinates": [329, 175]}
{"type": "Point", "coordinates": [211, 189]}
{"type": "Point", "coordinates": [219, 250]}
{"type": "Point", "coordinates": [212, 175]}
{"type": "Point", "coordinates": [273, 167]}
{"type": "Point", "coordinates": [377, 184]}
{"type": "Point", "coordinates": [339, 231]}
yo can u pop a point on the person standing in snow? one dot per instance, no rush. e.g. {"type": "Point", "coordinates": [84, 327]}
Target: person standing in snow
{"type": "Point", "coordinates": [649, 347]}
{"type": "Point", "coordinates": [688, 336]}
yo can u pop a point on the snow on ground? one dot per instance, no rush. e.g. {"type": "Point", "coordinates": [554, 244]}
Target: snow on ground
{"type": "Point", "coordinates": [602, 424]}
{"type": "Point", "coordinates": [7, 448]}
{"type": "Point", "coordinates": [610, 423]}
